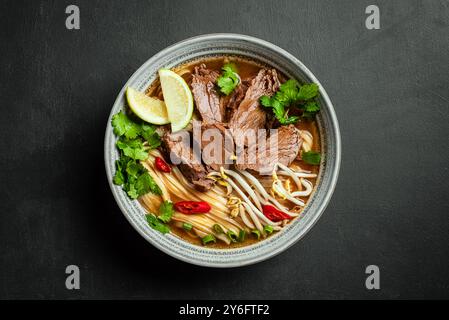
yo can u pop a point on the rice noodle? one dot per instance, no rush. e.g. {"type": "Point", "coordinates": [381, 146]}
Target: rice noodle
{"type": "Point", "coordinates": [229, 184]}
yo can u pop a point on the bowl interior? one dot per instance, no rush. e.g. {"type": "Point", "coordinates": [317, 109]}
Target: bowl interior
{"type": "Point", "coordinates": [266, 53]}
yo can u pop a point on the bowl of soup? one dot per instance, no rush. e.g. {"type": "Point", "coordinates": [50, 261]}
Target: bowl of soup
{"type": "Point", "coordinates": [222, 150]}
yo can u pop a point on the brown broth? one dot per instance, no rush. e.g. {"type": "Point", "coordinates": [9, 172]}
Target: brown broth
{"type": "Point", "coordinates": [247, 69]}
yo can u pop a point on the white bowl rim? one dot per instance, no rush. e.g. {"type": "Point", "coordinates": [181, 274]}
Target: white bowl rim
{"type": "Point", "coordinates": [332, 116]}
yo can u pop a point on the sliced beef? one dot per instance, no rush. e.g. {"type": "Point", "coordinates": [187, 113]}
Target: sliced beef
{"type": "Point", "coordinates": [262, 158]}
{"type": "Point", "coordinates": [179, 152]}
{"type": "Point", "coordinates": [249, 114]}
{"type": "Point", "coordinates": [231, 102]}
{"type": "Point", "coordinates": [206, 97]}
{"type": "Point", "coordinates": [217, 146]}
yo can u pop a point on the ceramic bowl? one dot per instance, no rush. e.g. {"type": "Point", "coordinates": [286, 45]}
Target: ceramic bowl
{"type": "Point", "coordinates": [267, 53]}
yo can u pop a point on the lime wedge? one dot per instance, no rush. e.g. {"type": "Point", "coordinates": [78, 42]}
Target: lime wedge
{"type": "Point", "coordinates": [178, 99]}
{"type": "Point", "coordinates": [149, 109]}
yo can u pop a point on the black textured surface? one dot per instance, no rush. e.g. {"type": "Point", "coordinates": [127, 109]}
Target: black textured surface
{"type": "Point", "coordinates": [390, 91]}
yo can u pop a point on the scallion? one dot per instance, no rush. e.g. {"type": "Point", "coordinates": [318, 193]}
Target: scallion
{"type": "Point", "coordinates": [232, 236]}
{"type": "Point", "coordinates": [187, 226]}
{"type": "Point", "coordinates": [256, 233]}
{"type": "Point", "coordinates": [209, 238]}
{"type": "Point", "coordinates": [218, 229]}
{"type": "Point", "coordinates": [242, 235]}
{"type": "Point", "coordinates": [268, 229]}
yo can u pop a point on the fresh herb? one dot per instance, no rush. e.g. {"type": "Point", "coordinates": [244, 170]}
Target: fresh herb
{"type": "Point", "coordinates": [279, 110]}
{"type": "Point", "coordinates": [268, 229]}
{"type": "Point", "coordinates": [208, 239]}
{"type": "Point", "coordinates": [133, 131]}
{"type": "Point", "coordinates": [166, 211]}
{"type": "Point", "coordinates": [291, 93]}
{"type": "Point", "coordinates": [310, 109]}
{"type": "Point", "coordinates": [232, 236]}
{"type": "Point", "coordinates": [218, 229]}
{"type": "Point", "coordinates": [148, 132]}
{"type": "Point", "coordinates": [307, 91]}
{"type": "Point", "coordinates": [288, 92]}
{"type": "Point", "coordinates": [124, 126]}
{"type": "Point", "coordinates": [135, 139]}
{"type": "Point", "coordinates": [229, 79]}
{"type": "Point", "coordinates": [119, 177]}
{"type": "Point", "coordinates": [311, 157]}
{"type": "Point", "coordinates": [156, 224]}
{"type": "Point", "coordinates": [159, 223]}
{"type": "Point", "coordinates": [242, 235]}
{"type": "Point", "coordinates": [256, 233]}
{"type": "Point", "coordinates": [144, 183]}
{"type": "Point", "coordinates": [187, 226]}
{"type": "Point", "coordinates": [132, 148]}
{"type": "Point", "coordinates": [135, 179]}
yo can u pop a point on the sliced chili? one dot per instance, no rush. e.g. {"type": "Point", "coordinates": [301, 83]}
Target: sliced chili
{"type": "Point", "coordinates": [274, 214]}
{"type": "Point", "coordinates": [161, 165]}
{"type": "Point", "coordinates": [192, 207]}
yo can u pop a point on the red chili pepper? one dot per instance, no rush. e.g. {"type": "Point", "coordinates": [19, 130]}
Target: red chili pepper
{"type": "Point", "coordinates": [274, 214]}
{"type": "Point", "coordinates": [191, 207]}
{"type": "Point", "coordinates": [161, 165]}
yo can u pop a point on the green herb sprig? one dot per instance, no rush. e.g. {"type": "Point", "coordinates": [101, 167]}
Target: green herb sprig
{"type": "Point", "coordinates": [311, 157]}
{"type": "Point", "coordinates": [134, 142]}
{"type": "Point", "coordinates": [292, 93]}
{"type": "Point", "coordinates": [160, 222]}
{"type": "Point", "coordinates": [229, 79]}
{"type": "Point", "coordinates": [156, 224]}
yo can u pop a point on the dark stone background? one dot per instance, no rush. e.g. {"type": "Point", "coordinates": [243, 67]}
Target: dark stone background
{"type": "Point", "coordinates": [390, 91]}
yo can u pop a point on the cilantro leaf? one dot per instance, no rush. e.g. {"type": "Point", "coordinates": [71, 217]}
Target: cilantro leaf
{"type": "Point", "coordinates": [229, 79]}
{"type": "Point", "coordinates": [311, 108]}
{"type": "Point", "coordinates": [288, 92]}
{"type": "Point", "coordinates": [265, 101]}
{"type": "Point", "coordinates": [150, 135]}
{"type": "Point", "coordinates": [137, 186]}
{"type": "Point", "coordinates": [120, 174]}
{"type": "Point", "coordinates": [119, 178]}
{"type": "Point", "coordinates": [154, 223]}
{"type": "Point", "coordinates": [147, 129]}
{"type": "Point", "coordinates": [278, 110]}
{"type": "Point", "coordinates": [311, 157]}
{"type": "Point", "coordinates": [145, 184]}
{"type": "Point", "coordinates": [292, 93]}
{"type": "Point", "coordinates": [154, 141]}
{"type": "Point", "coordinates": [134, 169]}
{"type": "Point", "coordinates": [131, 191]}
{"type": "Point", "coordinates": [230, 68]}
{"type": "Point", "coordinates": [289, 120]}
{"type": "Point", "coordinates": [132, 175]}
{"type": "Point", "coordinates": [165, 211]}
{"type": "Point", "coordinates": [307, 91]}
{"type": "Point", "coordinates": [160, 223]}
{"type": "Point", "coordinates": [123, 125]}
{"type": "Point", "coordinates": [132, 148]}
